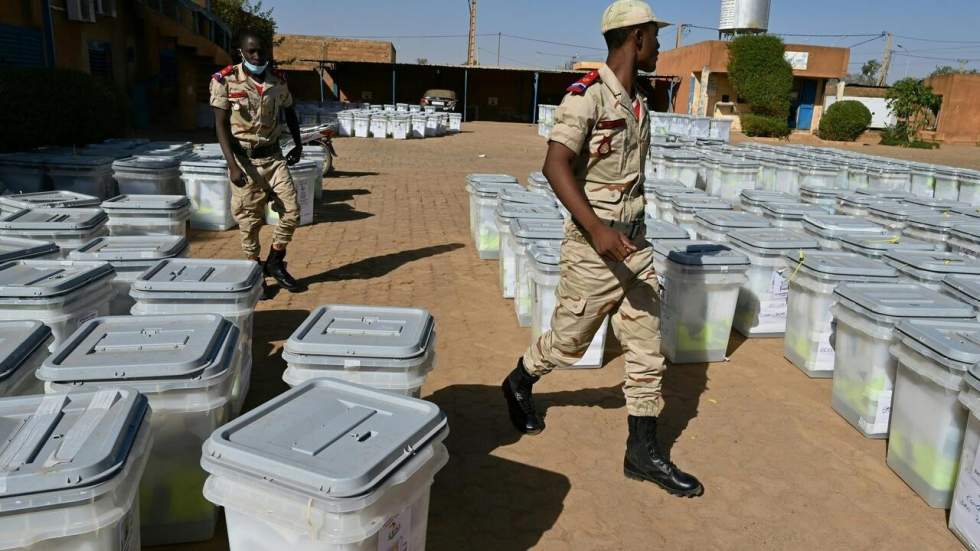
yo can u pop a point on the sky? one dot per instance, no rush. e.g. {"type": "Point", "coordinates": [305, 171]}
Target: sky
{"type": "Point", "coordinates": [928, 32]}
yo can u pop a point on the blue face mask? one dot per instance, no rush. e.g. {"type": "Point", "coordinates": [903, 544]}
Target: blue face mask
{"type": "Point", "coordinates": [255, 69]}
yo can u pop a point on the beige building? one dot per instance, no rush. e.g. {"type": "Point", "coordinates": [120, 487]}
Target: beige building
{"type": "Point", "coordinates": [703, 87]}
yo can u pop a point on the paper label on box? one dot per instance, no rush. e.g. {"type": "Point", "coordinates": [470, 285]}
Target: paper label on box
{"type": "Point", "coordinates": [772, 316]}
{"type": "Point", "coordinates": [396, 534]}
{"type": "Point", "coordinates": [883, 410]}
{"type": "Point", "coordinates": [304, 196]}
{"type": "Point", "coordinates": [825, 353]}
{"type": "Point", "coordinates": [964, 515]}
{"type": "Point", "coordinates": [778, 285]}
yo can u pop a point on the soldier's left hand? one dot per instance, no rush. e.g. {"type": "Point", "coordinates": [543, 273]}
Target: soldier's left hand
{"type": "Point", "coordinates": [294, 155]}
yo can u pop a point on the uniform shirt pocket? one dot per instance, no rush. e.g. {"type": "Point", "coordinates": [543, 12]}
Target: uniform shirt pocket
{"type": "Point", "coordinates": [607, 142]}
{"type": "Point", "coordinates": [600, 193]}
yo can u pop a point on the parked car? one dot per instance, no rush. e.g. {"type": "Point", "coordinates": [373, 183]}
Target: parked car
{"type": "Point", "coordinates": [442, 100]}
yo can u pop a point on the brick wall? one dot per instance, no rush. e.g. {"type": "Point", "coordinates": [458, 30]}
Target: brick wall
{"type": "Point", "coordinates": [291, 48]}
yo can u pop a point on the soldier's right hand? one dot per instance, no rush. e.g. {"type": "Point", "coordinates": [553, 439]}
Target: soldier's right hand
{"type": "Point", "coordinates": [611, 244]}
{"type": "Point", "coordinates": [237, 176]}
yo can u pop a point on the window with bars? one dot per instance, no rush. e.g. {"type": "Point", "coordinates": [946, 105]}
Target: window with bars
{"type": "Point", "coordinates": [80, 10]}
{"type": "Point", "coordinates": [100, 59]}
{"type": "Point", "coordinates": [105, 7]}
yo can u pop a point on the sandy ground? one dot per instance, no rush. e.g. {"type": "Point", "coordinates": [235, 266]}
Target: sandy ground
{"type": "Point", "coordinates": [782, 470]}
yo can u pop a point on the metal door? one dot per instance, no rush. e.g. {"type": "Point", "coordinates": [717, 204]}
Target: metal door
{"type": "Point", "coordinates": [804, 112]}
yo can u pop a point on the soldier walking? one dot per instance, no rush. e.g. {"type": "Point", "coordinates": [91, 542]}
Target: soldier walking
{"type": "Point", "coordinates": [595, 161]}
{"type": "Point", "coordinates": [247, 100]}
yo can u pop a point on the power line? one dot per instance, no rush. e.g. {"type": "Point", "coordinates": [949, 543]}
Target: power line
{"type": "Point", "coordinates": [937, 41]}
{"type": "Point", "coordinates": [961, 60]}
{"type": "Point", "coordinates": [945, 49]}
{"type": "Point", "coordinates": [879, 37]}
{"type": "Point", "coordinates": [702, 27]}
{"type": "Point", "coordinates": [553, 43]}
{"type": "Point", "coordinates": [408, 36]}
{"type": "Point", "coordinates": [512, 60]}
{"type": "Point", "coordinates": [566, 56]}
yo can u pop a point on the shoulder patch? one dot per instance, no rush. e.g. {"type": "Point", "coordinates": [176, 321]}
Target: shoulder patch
{"type": "Point", "coordinates": [220, 75]}
{"type": "Point", "coordinates": [581, 85]}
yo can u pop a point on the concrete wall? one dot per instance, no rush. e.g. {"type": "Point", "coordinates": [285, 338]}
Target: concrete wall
{"type": "Point", "coordinates": [858, 91]}
{"type": "Point", "coordinates": [291, 49]}
{"type": "Point", "coordinates": [881, 116]}
{"type": "Point", "coordinates": [959, 117]}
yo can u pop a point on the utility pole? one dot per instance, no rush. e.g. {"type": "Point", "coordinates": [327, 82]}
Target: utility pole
{"type": "Point", "coordinates": [886, 62]}
{"type": "Point", "coordinates": [680, 33]}
{"type": "Point", "coordinates": [471, 50]}
{"type": "Point", "coordinates": [498, 48]}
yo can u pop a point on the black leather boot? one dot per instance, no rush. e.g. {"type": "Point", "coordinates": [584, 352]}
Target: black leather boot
{"type": "Point", "coordinates": [275, 267]}
{"type": "Point", "coordinates": [520, 403]}
{"type": "Point", "coordinates": [646, 461]}
{"type": "Point", "coordinates": [266, 291]}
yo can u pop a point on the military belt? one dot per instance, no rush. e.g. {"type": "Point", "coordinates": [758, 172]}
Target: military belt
{"type": "Point", "coordinates": [260, 152]}
{"type": "Point", "coordinates": [633, 189]}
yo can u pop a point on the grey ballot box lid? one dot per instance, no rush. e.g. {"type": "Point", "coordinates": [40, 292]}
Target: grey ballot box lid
{"type": "Point", "coordinates": [15, 248]}
{"type": "Point", "coordinates": [145, 202]}
{"type": "Point", "coordinates": [769, 239]}
{"type": "Point", "coordinates": [325, 438]}
{"type": "Point", "coordinates": [733, 219]}
{"type": "Point", "coordinates": [48, 278]}
{"type": "Point", "coordinates": [144, 347]}
{"type": "Point", "coordinates": [658, 229]}
{"type": "Point", "coordinates": [66, 441]}
{"type": "Point", "coordinates": [126, 248]}
{"type": "Point", "coordinates": [842, 265]}
{"type": "Point", "coordinates": [49, 199]}
{"type": "Point", "coordinates": [884, 243]}
{"type": "Point", "coordinates": [904, 300]}
{"type": "Point", "coordinates": [18, 340]}
{"type": "Point", "coordinates": [701, 254]}
{"type": "Point", "coordinates": [537, 228]}
{"type": "Point", "coordinates": [956, 340]}
{"type": "Point", "coordinates": [45, 219]}
{"type": "Point", "coordinates": [363, 331]}
{"type": "Point", "coordinates": [199, 275]}
{"type": "Point", "coordinates": [841, 223]}
{"type": "Point", "coordinates": [936, 262]}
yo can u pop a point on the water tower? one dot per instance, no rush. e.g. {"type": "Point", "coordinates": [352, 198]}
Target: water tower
{"type": "Point", "coordinates": [743, 17]}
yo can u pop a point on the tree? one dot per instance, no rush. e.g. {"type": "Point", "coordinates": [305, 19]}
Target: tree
{"type": "Point", "coordinates": [760, 74]}
{"type": "Point", "coordinates": [242, 15]}
{"type": "Point", "coordinates": [950, 70]}
{"type": "Point", "coordinates": [844, 121]}
{"type": "Point", "coordinates": [913, 103]}
{"type": "Point", "coordinates": [868, 76]}
{"type": "Point", "coordinates": [422, 61]}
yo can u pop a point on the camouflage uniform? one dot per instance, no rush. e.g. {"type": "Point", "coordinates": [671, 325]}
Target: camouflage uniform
{"type": "Point", "coordinates": [256, 130]}
{"type": "Point", "coordinates": [597, 121]}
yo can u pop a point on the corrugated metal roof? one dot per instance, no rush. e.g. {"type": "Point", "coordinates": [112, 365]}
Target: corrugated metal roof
{"type": "Point", "coordinates": [437, 65]}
